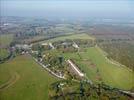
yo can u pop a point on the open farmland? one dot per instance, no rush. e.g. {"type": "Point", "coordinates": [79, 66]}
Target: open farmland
{"type": "Point", "coordinates": [65, 61]}
{"type": "Point", "coordinates": [34, 39]}
{"type": "Point", "coordinates": [63, 28]}
{"type": "Point", "coordinates": [3, 53]}
{"type": "Point", "coordinates": [71, 37]}
{"type": "Point", "coordinates": [6, 39]}
{"type": "Point", "coordinates": [23, 79]}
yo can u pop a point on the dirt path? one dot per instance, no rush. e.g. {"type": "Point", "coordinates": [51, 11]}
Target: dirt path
{"type": "Point", "coordinates": [112, 61]}
{"type": "Point", "coordinates": [10, 82]}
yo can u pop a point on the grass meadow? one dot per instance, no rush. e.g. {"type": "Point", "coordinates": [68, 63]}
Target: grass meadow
{"type": "Point", "coordinates": [6, 39]}
{"type": "Point", "coordinates": [24, 79]}
{"type": "Point", "coordinates": [72, 36]}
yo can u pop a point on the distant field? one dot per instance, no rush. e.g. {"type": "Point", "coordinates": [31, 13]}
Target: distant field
{"type": "Point", "coordinates": [73, 36]}
{"type": "Point", "coordinates": [3, 53]}
{"type": "Point", "coordinates": [25, 80]}
{"type": "Point", "coordinates": [66, 28]}
{"type": "Point", "coordinates": [96, 67]}
{"type": "Point", "coordinates": [6, 39]}
{"type": "Point", "coordinates": [34, 39]}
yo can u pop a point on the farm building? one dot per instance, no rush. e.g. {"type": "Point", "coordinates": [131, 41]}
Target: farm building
{"type": "Point", "coordinates": [74, 69]}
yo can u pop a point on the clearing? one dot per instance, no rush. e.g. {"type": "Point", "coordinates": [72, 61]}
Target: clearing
{"type": "Point", "coordinates": [6, 39]}
{"type": "Point", "coordinates": [73, 36]}
{"type": "Point", "coordinates": [3, 53]}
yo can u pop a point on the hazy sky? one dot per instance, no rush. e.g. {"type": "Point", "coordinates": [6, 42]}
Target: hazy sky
{"type": "Point", "coordinates": [69, 8]}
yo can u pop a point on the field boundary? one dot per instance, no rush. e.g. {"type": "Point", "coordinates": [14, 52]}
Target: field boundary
{"type": "Point", "coordinates": [111, 60]}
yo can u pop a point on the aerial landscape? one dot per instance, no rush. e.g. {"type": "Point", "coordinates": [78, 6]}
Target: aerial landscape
{"type": "Point", "coordinates": [66, 50]}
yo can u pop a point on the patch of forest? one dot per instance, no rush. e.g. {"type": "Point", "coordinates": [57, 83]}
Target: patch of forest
{"type": "Point", "coordinates": [69, 90]}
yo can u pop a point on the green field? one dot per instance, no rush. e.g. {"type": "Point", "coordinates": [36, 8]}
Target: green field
{"type": "Point", "coordinates": [24, 79]}
{"type": "Point", "coordinates": [6, 39]}
{"type": "Point", "coordinates": [73, 36]}
{"type": "Point", "coordinates": [3, 53]}
{"type": "Point", "coordinates": [66, 28]}
{"type": "Point", "coordinates": [110, 74]}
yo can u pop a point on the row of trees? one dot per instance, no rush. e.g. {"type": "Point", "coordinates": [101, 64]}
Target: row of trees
{"type": "Point", "coordinates": [64, 90]}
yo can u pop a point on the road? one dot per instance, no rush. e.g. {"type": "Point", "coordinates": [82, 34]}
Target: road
{"type": "Point", "coordinates": [48, 69]}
